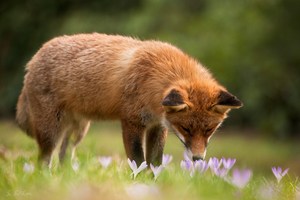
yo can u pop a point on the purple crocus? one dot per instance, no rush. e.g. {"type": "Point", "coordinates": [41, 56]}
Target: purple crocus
{"type": "Point", "coordinates": [28, 168]}
{"type": "Point", "coordinates": [240, 178]}
{"type": "Point", "coordinates": [228, 163]}
{"type": "Point", "coordinates": [166, 159]}
{"type": "Point", "coordinates": [214, 164]}
{"type": "Point", "coordinates": [156, 170]}
{"type": "Point", "coordinates": [187, 165]}
{"type": "Point", "coordinates": [75, 166]}
{"type": "Point", "coordinates": [136, 170]}
{"type": "Point", "coordinates": [278, 173]}
{"type": "Point", "coordinates": [105, 161]}
{"type": "Point", "coordinates": [186, 155]}
{"type": "Point", "coordinates": [201, 166]}
{"type": "Point", "coordinates": [221, 172]}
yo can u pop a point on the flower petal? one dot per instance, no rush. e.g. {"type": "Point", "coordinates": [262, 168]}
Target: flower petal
{"type": "Point", "coordinates": [156, 170]}
{"type": "Point", "coordinates": [152, 167]}
{"type": "Point", "coordinates": [28, 168]}
{"type": "Point", "coordinates": [277, 173]}
{"type": "Point", "coordinates": [285, 172]}
{"type": "Point", "coordinates": [240, 178]}
{"type": "Point", "coordinates": [166, 159]}
{"type": "Point", "coordinates": [228, 163]}
{"type": "Point", "coordinates": [186, 155]}
{"type": "Point", "coordinates": [201, 166]}
{"type": "Point", "coordinates": [187, 165]}
{"type": "Point", "coordinates": [221, 172]}
{"type": "Point", "coordinates": [141, 167]}
{"type": "Point", "coordinates": [132, 164]}
{"type": "Point", "coordinates": [105, 161]}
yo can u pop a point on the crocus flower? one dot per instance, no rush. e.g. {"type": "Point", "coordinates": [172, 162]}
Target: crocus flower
{"type": "Point", "coordinates": [75, 166]}
{"type": "Point", "coordinates": [240, 178]}
{"type": "Point", "coordinates": [201, 166]}
{"type": "Point", "coordinates": [220, 172]}
{"type": "Point", "coordinates": [187, 165]}
{"type": "Point", "coordinates": [166, 159]}
{"type": "Point", "coordinates": [214, 164]}
{"type": "Point", "coordinates": [105, 161]}
{"type": "Point", "coordinates": [136, 170]}
{"type": "Point", "coordinates": [278, 173]}
{"type": "Point", "coordinates": [228, 163]}
{"type": "Point", "coordinates": [186, 156]}
{"type": "Point", "coordinates": [28, 168]}
{"type": "Point", "coordinates": [156, 170]}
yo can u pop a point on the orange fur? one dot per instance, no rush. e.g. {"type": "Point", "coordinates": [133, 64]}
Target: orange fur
{"type": "Point", "coordinates": [74, 79]}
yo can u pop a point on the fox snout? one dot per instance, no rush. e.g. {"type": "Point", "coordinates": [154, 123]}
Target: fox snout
{"type": "Point", "coordinates": [195, 146]}
{"type": "Point", "coordinates": [196, 155]}
{"type": "Point", "coordinates": [197, 158]}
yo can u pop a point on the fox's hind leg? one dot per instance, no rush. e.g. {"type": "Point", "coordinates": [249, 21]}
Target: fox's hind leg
{"type": "Point", "coordinates": [155, 142]}
{"type": "Point", "coordinates": [48, 133]}
{"type": "Point", "coordinates": [64, 145]}
{"type": "Point", "coordinates": [76, 131]}
{"type": "Point", "coordinates": [46, 124]}
{"type": "Point", "coordinates": [80, 130]}
{"type": "Point", "coordinates": [47, 145]}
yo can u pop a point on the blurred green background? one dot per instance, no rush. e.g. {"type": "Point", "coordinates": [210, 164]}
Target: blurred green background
{"type": "Point", "coordinates": [251, 46]}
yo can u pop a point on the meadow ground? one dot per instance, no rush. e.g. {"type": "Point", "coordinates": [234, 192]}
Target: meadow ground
{"type": "Point", "coordinates": [85, 178]}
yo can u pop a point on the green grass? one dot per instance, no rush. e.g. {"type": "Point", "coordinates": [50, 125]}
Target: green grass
{"type": "Point", "coordinates": [104, 139]}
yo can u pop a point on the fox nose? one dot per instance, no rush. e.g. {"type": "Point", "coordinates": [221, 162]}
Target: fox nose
{"type": "Point", "coordinates": [197, 158]}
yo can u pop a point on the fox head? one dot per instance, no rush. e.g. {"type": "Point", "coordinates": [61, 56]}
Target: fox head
{"type": "Point", "coordinates": [195, 114]}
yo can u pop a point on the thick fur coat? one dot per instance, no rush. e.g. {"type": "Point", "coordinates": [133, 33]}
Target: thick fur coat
{"type": "Point", "coordinates": [149, 85]}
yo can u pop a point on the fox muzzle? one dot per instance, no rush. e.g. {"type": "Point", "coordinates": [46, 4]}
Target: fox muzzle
{"type": "Point", "coordinates": [197, 158]}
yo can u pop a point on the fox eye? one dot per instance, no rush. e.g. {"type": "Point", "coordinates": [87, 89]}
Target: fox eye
{"type": "Point", "coordinates": [186, 130]}
{"type": "Point", "coordinates": [208, 131]}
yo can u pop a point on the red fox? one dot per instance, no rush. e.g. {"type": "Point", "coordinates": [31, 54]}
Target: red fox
{"type": "Point", "coordinates": [150, 86]}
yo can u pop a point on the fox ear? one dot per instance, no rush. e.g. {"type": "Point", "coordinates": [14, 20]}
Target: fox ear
{"type": "Point", "coordinates": [173, 102]}
{"type": "Point", "coordinates": [226, 101]}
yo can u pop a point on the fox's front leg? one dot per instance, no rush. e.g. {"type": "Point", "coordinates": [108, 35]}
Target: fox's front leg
{"type": "Point", "coordinates": [155, 142]}
{"type": "Point", "coordinates": [133, 134]}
